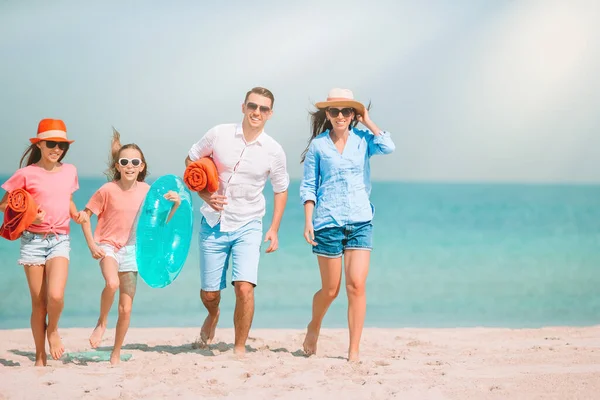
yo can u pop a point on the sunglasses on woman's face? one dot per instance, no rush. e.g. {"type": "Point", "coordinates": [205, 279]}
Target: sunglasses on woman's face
{"type": "Point", "coordinates": [61, 145]}
{"type": "Point", "coordinates": [254, 106]}
{"type": "Point", "coordinates": [346, 112]}
{"type": "Point", "coordinates": [136, 162]}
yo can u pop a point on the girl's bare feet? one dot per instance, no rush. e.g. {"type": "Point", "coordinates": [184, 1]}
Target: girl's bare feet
{"type": "Point", "coordinates": [41, 359]}
{"type": "Point", "coordinates": [96, 337]}
{"type": "Point", "coordinates": [115, 357]}
{"type": "Point", "coordinates": [56, 346]}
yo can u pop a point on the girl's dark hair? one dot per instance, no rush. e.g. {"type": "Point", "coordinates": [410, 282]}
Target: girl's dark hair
{"type": "Point", "coordinates": [33, 154]}
{"type": "Point", "coordinates": [112, 172]}
{"type": "Point", "coordinates": [319, 123]}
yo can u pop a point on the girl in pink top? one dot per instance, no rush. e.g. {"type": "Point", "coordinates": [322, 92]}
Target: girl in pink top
{"type": "Point", "coordinates": [117, 204]}
{"type": "Point", "coordinates": [45, 245]}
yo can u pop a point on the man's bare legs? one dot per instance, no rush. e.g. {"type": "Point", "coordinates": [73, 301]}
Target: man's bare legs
{"type": "Point", "coordinates": [331, 278]}
{"type": "Point", "coordinates": [110, 271]}
{"type": "Point", "coordinates": [356, 266]}
{"type": "Point", "coordinates": [128, 283]}
{"type": "Point", "coordinates": [57, 270]}
{"type": "Point", "coordinates": [211, 301]}
{"type": "Point", "coordinates": [36, 279]}
{"type": "Point", "coordinates": [243, 314]}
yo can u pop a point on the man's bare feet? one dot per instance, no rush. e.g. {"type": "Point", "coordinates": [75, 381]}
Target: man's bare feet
{"type": "Point", "coordinates": [96, 337]}
{"type": "Point", "coordinates": [41, 359]}
{"type": "Point", "coordinates": [239, 351]}
{"type": "Point", "coordinates": [207, 333]}
{"type": "Point", "coordinates": [115, 357]}
{"type": "Point", "coordinates": [310, 341]}
{"type": "Point", "coordinates": [56, 347]}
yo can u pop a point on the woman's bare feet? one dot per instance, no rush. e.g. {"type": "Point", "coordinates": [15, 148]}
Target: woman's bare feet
{"type": "Point", "coordinates": [41, 359]}
{"type": "Point", "coordinates": [310, 341]}
{"type": "Point", "coordinates": [353, 356]}
{"type": "Point", "coordinates": [56, 346]}
{"type": "Point", "coordinates": [97, 334]}
{"type": "Point", "coordinates": [207, 333]}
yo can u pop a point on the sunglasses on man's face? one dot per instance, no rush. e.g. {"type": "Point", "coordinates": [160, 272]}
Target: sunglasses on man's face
{"type": "Point", "coordinates": [254, 106]}
{"type": "Point", "coordinates": [346, 112]}
{"type": "Point", "coordinates": [136, 162]}
{"type": "Point", "coordinates": [61, 145]}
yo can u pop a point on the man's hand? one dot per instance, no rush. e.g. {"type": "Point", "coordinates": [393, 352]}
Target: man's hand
{"type": "Point", "coordinates": [271, 236]}
{"type": "Point", "coordinates": [216, 201]}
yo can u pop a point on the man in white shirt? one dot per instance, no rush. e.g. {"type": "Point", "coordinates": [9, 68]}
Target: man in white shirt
{"type": "Point", "coordinates": [245, 156]}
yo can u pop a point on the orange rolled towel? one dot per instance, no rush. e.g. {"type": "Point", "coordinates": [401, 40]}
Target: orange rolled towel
{"type": "Point", "coordinates": [20, 212]}
{"type": "Point", "coordinates": [202, 174]}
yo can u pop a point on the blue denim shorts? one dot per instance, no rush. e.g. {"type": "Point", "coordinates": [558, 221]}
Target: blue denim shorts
{"type": "Point", "coordinates": [38, 248]}
{"type": "Point", "coordinates": [333, 241]}
{"type": "Point", "coordinates": [241, 246]}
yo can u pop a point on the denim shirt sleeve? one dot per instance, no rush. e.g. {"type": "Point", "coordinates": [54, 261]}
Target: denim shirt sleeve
{"type": "Point", "coordinates": [310, 178]}
{"type": "Point", "coordinates": [381, 144]}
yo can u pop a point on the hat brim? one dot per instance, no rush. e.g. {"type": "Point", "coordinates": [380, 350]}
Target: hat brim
{"type": "Point", "coordinates": [52, 139]}
{"type": "Point", "coordinates": [358, 106]}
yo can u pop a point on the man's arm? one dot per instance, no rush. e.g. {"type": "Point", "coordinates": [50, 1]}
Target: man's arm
{"type": "Point", "coordinates": [280, 200]}
{"type": "Point", "coordinates": [272, 233]}
{"type": "Point", "coordinates": [280, 181]}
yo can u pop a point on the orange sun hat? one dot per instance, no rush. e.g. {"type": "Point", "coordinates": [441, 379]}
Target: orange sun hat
{"type": "Point", "coordinates": [51, 129]}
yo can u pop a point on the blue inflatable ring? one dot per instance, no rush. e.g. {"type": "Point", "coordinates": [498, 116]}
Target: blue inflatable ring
{"type": "Point", "coordinates": [161, 248]}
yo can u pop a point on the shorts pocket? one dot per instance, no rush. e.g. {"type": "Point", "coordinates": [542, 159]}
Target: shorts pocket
{"type": "Point", "coordinates": [27, 237]}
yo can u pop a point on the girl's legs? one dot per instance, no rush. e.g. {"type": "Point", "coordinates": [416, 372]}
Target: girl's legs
{"type": "Point", "coordinates": [126, 294]}
{"type": "Point", "coordinates": [356, 265]}
{"type": "Point", "coordinates": [36, 279]}
{"type": "Point", "coordinates": [110, 272]}
{"type": "Point", "coordinates": [57, 270]}
{"type": "Point", "coordinates": [331, 278]}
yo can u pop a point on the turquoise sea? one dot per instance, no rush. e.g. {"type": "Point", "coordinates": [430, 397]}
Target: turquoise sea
{"type": "Point", "coordinates": [445, 255]}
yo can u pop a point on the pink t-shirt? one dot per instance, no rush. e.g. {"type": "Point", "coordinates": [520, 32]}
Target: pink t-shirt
{"type": "Point", "coordinates": [51, 191]}
{"type": "Point", "coordinates": [116, 210]}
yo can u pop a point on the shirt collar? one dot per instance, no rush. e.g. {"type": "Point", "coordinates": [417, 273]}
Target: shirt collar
{"type": "Point", "coordinates": [239, 131]}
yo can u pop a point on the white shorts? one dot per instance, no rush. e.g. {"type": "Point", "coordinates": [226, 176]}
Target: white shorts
{"type": "Point", "coordinates": [125, 256]}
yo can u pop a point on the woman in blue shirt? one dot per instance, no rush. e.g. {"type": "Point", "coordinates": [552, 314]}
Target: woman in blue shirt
{"type": "Point", "coordinates": [335, 191]}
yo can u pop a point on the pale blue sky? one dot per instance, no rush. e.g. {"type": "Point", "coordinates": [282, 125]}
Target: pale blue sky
{"type": "Point", "coordinates": [471, 90]}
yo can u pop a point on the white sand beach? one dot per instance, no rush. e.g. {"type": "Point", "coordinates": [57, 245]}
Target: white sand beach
{"type": "Point", "coordinates": [466, 363]}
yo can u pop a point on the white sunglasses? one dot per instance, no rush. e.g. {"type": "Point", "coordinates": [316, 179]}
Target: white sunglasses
{"type": "Point", "coordinates": [136, 162]}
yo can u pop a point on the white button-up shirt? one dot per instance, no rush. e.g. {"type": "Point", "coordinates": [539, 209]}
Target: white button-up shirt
{"type": "Point", "coordinates": [243, 170]}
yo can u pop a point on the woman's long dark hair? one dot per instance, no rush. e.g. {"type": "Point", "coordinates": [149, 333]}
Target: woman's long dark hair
{"type": "Point", "coordinates": [112, 172]}
{"type": "Point", "coordinates": [319, 123]}
{"type": "Point", "coordinates": [33, 154]}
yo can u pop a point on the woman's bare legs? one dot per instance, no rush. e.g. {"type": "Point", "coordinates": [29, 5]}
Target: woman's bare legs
{"type": "Point", "coordinates": [356, 265]}
{"type": "Point", "coordinates": [331, 278]}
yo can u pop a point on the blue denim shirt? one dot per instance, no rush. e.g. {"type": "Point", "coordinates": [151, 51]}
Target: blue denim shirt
{"type": "Point", "coordinates": [340, 184]}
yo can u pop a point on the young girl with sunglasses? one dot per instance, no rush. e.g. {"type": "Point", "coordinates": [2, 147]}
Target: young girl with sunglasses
{"type": "Point", "coordinates": [336, 186]}
{"type": "Point", "coordinates": [45, 245]}
{"type": "Point", "coordinates": [116, 205]}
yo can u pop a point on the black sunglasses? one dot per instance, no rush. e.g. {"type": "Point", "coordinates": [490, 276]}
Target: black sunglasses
{"type": "Point", "coordinates": [254, 106]}
{"type": "Point", "coordinates": [346, 112]}
{"type": "Point", "coordinates": [61, 145]}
